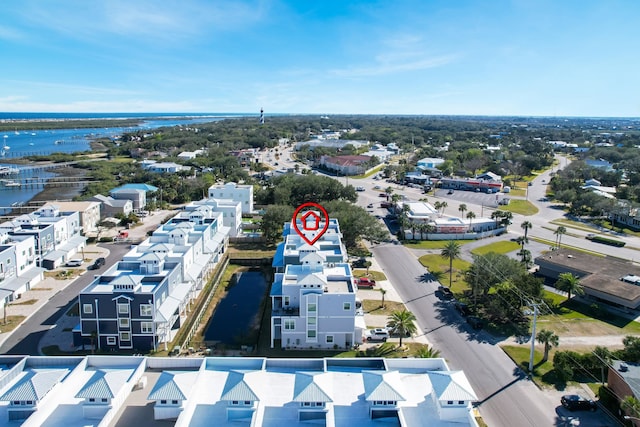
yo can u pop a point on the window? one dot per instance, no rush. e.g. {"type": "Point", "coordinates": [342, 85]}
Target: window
{"type": "Point", "coordinates": [311, 307]}
{"type": "Point", "coordinates": [123, 323]}
{"type": "Point", "coordinates": [289, 324]}
{"type": "Point", "coordinates": [87, 308]}
{"type": "Point", "coordinates": [311, 320]}
{"type": "Point", "coordinates": [311, 334]}
{"type": "Point", "coordinates": [286, 301]}
{"type": "Point", "coordinates": [103, 400]}
{"type": "Point", "coordinates": [329, 339]}
{"type": "Point", "coordinates": [146, 327]}
{"type": "Point", "coordinates": [174, 402]}
{"type": "Point", "coordinates": [111, 340]}
{"type": "Point", "coordinates": [91, 399]}
{"type": "Point", "coordinates": [460, 402]}
{"type": "Point", "coordinates": [164, 402]}
{"type": "Point", "coordinates": [449, 402]}
{"type": "Point", "coordinates": [346, 306]}
{"type": "Point", "coordinates": [123, 308]}
{"type": "Point", "coordinates": [125, 336]}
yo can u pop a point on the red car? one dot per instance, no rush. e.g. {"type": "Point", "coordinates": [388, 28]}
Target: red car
{"type": "Point", "coordinates": [364, 282]}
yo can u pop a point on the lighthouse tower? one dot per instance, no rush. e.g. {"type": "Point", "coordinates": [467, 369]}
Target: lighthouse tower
{"type": "Point", "coordinates": [261, 116]}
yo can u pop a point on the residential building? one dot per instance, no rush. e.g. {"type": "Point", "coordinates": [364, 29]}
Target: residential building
{"type": "Point", "coordinates": [18, 269]}
{"type": "Point", "coordinates": [429, 163]}
{"type": "Point", "coordinates": [230, 210]}
{"type": "Point", "coordinates": [140, 302]}
{"type": "Point", "coordinates": [346, 165]}
{"type": "Point", "coordinates": [137, 196]}
{"type": "Point", "coordinates": [222, 391]}
{"type": "Point", "coordinates": [623, 379]}
{"type": "Point", "coordinates": [337, 144]}
{"type": "Point", "coordinates": [314, 306]}
{"type": "Point", "coordinates": [110, 207]}
{"type": "Point", "coordinates": [236, 192]}
{"type": "Point", "coordinates": [163, 167]}
{"type": "Point", "coordinates": [89, 213]}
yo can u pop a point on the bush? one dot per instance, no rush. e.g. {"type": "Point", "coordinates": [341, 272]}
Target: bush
{"type": "Point", "coordinates": [606, 241]}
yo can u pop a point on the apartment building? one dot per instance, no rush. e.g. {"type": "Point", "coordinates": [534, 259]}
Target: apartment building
{"type": "Point", "coordinates": [18, 269]}
{"type": "Point", "coordinates": [141, 301]}
{"type": "Point", "coordinates": [236, 192]}
{"type": "Point", "coordinates": [231, 211]}
{"type": "Point", "coordinates": [261, 392]}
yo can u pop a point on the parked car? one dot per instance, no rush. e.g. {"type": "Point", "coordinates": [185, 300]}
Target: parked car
{"type": "Point", "coordinates": [450, 192]}
{"type": "Point", "coordinates": [382, 195]}
{"type": "Point", "coordinates": [475, 322]}
{"type": "Point", "coordinates": [377, 334]}
{"type": "Point", "coordinates": [99, 262]}
{"type": "Point", "coordinates": [574, 402]}
{"type": "Point", "coordinates": [74, 263]}
{"type": "Point", "coordinates": [446, 292]}
{"type": "Point", "coordinates": [364, 282]}
{"type": "Point", "coordinates": [370, 205]}
{"type": "Point", "coordinates": [359, 263]}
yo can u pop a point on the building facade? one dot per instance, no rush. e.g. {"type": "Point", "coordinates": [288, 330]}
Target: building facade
{"type": "Point", "coordinates": [236, 192]}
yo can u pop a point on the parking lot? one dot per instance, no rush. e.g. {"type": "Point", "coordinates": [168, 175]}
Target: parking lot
{"type": "Point", "coordinates": [471, 197]}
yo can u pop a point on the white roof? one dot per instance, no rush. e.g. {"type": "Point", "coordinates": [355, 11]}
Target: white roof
{"type": "Point", "coordinates": [34, 384]}
{"type": "Point", "coordinates": [173, 385]}
{"type": "Point", "coordinates": [452, 385]}
{"type": "Point", "coordinates": [382, 385]}
{"type": "Point", "coordinates": [236, 388]}
{"type": "Point", "coordinates": [105, 383]}
{"type": "Point", "coordinates": [310, 387]}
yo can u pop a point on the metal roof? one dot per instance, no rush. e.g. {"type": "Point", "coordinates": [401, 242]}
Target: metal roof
{"type": "Point", "coordinates": [308, 389]}
{"type": "Point", "coordinates": [105, 384]}
{"type": "Point", "coordinates": [173, 385]}
{"type": "Point", "coordinates": [236, 388]}
{"type": "Point", "coordinates": [452, 385]}
{"type": "Point", "coordinates": [381, 385]}
{"type": "Point", "coordinates": [34, 384]}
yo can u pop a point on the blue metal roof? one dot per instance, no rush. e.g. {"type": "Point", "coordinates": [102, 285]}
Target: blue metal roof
{"type": "Point", "coordinates": [133, 186]}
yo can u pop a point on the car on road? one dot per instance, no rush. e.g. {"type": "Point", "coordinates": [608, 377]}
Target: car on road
{"type": "Point", "coordinates": [74, 263]}
{"type": "Point", "coordinates": [445, 292]}
{"type": "Point", "coordinates": [450, 192]}
{"type": "Point", "coordinates": [475, 322]}
{"type": "Point", "coordinates": [99, 262]}
{"type": "Point", "coordinates": [377, 187]}
{"type": "Point", "coordinates": [370, 205]}
{"type": "Point", "coordinates": [359, 188]}
{"type": "Point", "coordinates": [382, 195]}
{"type": "Point", "coordinates": [365, 282]}
{"type": "Point", "coordinates": [575, 402]}
{"type": "Point", "coordinates": [377, 334]}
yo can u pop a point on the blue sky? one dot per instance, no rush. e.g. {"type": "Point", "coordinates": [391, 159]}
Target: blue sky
{"type": "Point", "coordinates": [484, 57]}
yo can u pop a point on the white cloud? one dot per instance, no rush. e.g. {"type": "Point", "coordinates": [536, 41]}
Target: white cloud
{"type": "Point", "coordinates": [391, 64]}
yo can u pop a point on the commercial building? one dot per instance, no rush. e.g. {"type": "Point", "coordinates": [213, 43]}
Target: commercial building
{"type": "Point", "coordinates": [261, 392]}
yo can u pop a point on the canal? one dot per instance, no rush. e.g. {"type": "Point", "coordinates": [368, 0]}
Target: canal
{"type": "Point", "coordinates": [236, 319]}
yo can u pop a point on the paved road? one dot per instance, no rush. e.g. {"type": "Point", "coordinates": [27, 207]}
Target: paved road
{"type": "Point", "coordinates": [26, 337]}
{"type": "Point", "coordinates": [505, 396]}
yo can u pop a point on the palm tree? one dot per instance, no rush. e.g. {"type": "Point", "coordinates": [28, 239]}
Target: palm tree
{"type": "Point", "coordinates": [462, 208]}
{"type": "Point", "coordinates": [427, 352]}
{"type": "Point", "coordinates": [631, 406]}
{"type": "Point", "coordinates": [443, 205]}
{"type": "Point", "coordinates": [559, 232]}
{"type": "Point", "coordinates": [569, 283]}
{"type": "Point", "coordinates": [526, 226]}
{"type": "Point", "coordinates": [526, 257]}
{"type": "Point", "coordinates": [437, 206]}
{"type": "Point", "coordinates": [451, 251]}
{"type": "Point", "coordinates": [496, 215]}
{"type": "Point", "coordinates": [549, 339]}
{"type": "Point", "coordinates": [470, 216]}
{"type": "Point", "coordinates": [506, 219]}
{"type": "Point", "coordinates": [521, 240]}
{"type": "Point", "coordinates": [603, 354]}
{"type": "Point", "coordinates": [388, 190]}
{"type": "Point", "coordinates": [382, 292]}
{"type": "Point", "coordinates": [402, 323]}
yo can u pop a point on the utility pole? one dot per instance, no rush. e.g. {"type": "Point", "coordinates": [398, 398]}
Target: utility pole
{"type": "Point", "coordinates": [533, 337]}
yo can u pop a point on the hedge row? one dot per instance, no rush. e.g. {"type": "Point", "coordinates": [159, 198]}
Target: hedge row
{"type": "Point", "coordinates": [606, 241]}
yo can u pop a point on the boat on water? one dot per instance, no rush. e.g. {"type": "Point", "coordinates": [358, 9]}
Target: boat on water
{"type": "Point", "coordinates": [8, 170]}
{"type": "Point", "coordinates": [10, 184]}
{"type": "Point", "coordinates": [58, 141]}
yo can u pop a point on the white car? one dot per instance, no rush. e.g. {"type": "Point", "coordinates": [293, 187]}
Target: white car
{"type": "Point", "coordinates": [377, 334]}
{"type": "Point", "coordinates": [74, 263]}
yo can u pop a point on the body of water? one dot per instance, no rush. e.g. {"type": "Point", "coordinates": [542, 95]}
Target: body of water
{"type": "Point", "coordinates": [237, 316]}
{"type": "Point", "coordinates": [21, 143]}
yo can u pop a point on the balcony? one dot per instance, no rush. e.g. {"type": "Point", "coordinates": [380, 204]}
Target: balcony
{"type": "Point", "coordinates": [285, 311]}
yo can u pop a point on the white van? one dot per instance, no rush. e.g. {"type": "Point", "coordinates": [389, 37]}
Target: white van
{"type": "Point", "coordinates": [506, 189]}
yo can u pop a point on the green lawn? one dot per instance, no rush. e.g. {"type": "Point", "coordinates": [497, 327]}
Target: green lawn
{"type": "Point", "coordinates": [373, 306]}
{"type": "Point", "coordinates": [542, 372]}
{"type": "Point", "coordinates": [522, 207]}
{"type": "Point", "coordinates": [375, 275]}
{"type": "Point", "coordinates": [433, 244]}
{"type": "Point", "coordinates": [439, 267]}
{"type": "Point", "coordinates": [501, 247]}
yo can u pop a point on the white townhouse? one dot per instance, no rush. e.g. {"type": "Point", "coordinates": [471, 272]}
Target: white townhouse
{"type": "Point", "coordinates": [18, 269]}
{"type": "Point", "coordinates": [89, 213]}
{"type": "Point", "coordinates": [314, 306]}
{"type": "Point", "coordinates": [62, 391]}
{"type": "Point", "coordinates": [141, 301]}
{"type": "Point", "coordinates": [66, 233]}
{"type": "Point", "coordinates": [236, 192]}
{"type": "Point", "coordinates": [230, 210]}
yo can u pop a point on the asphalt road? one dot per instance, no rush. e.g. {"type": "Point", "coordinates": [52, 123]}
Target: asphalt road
{"type": "Point", "coordinates": [25, 338]}
{"type": "Point", "coordinates": [506, 397]}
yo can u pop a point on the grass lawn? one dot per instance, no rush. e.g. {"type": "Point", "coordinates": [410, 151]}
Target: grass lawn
{"type": "Point", "coordinates": [12, 323]}
{"type": "Point", "coordinates": [542, 372]}
{"type": "Point", "coordinates": [573, 318]}
{"type": "Point", "coordinates": [25, 302]}
{"type": "Point", "coordinates": [501, 247]}
{"type": "Point", "coordinates": [522, 207]}
{"type": "Point", "coordinates": [439, 268]}
{"type": "Point", "coordinates": [372, 306]}
{"type": "Point", "coordinates": [433, 244]}
{"type": "Point", "coordinates": [375, 275]}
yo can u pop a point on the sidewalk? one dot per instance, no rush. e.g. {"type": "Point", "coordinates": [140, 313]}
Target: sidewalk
{"type": "Point", "coordinates": [47, 288]}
